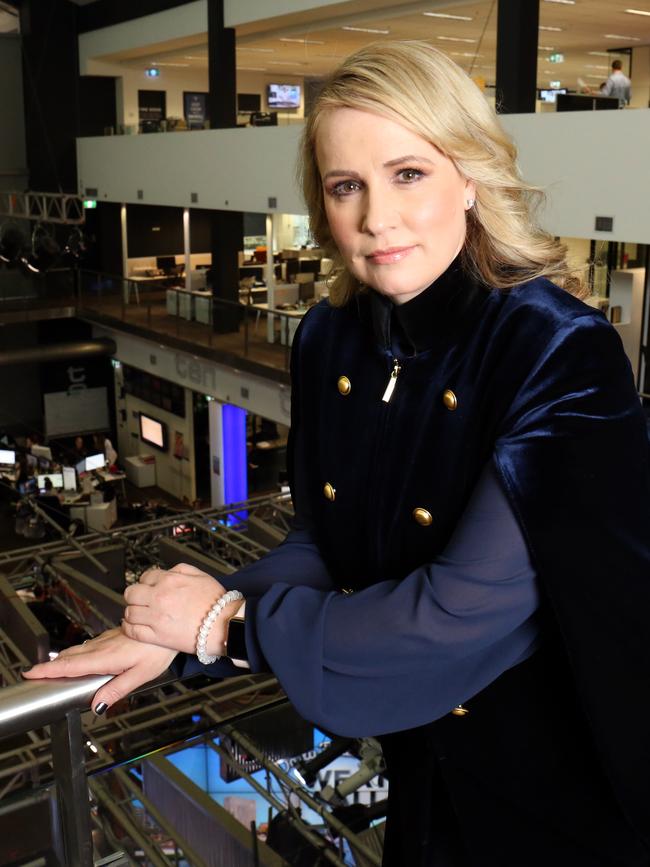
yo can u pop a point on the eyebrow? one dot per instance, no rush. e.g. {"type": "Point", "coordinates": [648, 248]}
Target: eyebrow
{"type": "Point", "coordinates": [350, 173]}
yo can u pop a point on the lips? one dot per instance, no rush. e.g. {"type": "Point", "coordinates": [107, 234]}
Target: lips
{"type": "Point", "coordinates": [389, 256]}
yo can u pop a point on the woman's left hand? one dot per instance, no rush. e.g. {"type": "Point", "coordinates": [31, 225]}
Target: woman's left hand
{"type": "Point", "coordinates": [167, 607]}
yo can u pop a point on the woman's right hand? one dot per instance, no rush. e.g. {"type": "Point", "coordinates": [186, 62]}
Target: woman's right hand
{"type": "Point", "coordinates": [132, 662]}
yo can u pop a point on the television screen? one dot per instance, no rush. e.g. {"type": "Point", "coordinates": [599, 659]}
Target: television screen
{"type": "Point", "coordinates": [95, 462]}
{"type": "Point", "coordinates": [69, 479]}
{"type": "Point", "coordinates": [42, 452]}
{"type": "Point", "coordinates": [153, 432]}
{"type": "Point", "coordinates": [283, 96]}
{"type": "Point", "coordinates": [55, 478]}
{"type": "Point", "coordinates": [7, 456]}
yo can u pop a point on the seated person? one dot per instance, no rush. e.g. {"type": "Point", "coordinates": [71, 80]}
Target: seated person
{"type": "Point", "coordinates": [50, 503]}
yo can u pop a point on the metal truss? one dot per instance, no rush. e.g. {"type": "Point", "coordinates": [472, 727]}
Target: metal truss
{"type": "Point", "coordinates": [43, 207]}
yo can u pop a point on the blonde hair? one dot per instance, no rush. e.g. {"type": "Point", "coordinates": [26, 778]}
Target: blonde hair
{"type": "Point", "coordinates": [419, 87]}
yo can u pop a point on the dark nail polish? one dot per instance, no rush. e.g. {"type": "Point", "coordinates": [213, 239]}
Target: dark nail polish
{"type": "Point", "coordinates": [26, 668]}
{"type": "Point", "coordinates": [100, 708]}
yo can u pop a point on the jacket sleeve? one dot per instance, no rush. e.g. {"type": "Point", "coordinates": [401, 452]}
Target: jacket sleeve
{"type": "Point", "coordinates": [402, 653]}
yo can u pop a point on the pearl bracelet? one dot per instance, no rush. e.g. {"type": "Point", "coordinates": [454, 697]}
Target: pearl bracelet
{"type": "Point", "coordinates": [208, 621]}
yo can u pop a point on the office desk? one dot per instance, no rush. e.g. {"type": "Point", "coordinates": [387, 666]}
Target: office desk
{"type": "Point", "coordinates": [289, 322]}
{"type": "Point", "coordinates": [190, 304]}
{"type": "Point", "coordinates": [137, 280]}
{"type": "Point", "coordinates": [96, 516]}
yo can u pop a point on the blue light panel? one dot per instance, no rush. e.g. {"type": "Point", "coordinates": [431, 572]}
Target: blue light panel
{"type": "Point", "coordinates": [235, 464]}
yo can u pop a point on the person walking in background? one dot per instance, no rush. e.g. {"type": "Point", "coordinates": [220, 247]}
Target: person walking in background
{"type": "Point", "coordinates": [618, 85]}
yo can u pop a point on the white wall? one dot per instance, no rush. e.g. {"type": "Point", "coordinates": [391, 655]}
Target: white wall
{"type": "Point", "coordinates": [575, 156]}
{"type": "Point", "coordinates": [13, 160]}
{"type": "Point", "coordinates": [232, 169]}
{"type": "Point", "coordinates": [264, 397]}
{"type": "Point", "coordinates": [174, 475]}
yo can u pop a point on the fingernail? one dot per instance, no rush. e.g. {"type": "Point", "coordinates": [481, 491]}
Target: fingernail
{"type": "Point", "coordinates": [26, 668]}
{"type": "Point", "coordinates": [100, 708]}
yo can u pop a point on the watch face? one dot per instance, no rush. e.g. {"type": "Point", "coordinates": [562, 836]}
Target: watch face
{"type": "Point", "coordinates": [236, 646]}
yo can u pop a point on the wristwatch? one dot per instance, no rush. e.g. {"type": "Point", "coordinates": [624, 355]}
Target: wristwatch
{"type": "Point", "coordinates": [236, 638]}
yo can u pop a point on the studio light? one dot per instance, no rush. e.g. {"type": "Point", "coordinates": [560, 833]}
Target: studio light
{"type": "Point", "coordinates": [372, 763]}
{"type": "Point", "coordinates": [13, 243]}
{"type": "Point", "coordinates": [44, 253]}
{"type": "Point", "coordinates": [75, 249]}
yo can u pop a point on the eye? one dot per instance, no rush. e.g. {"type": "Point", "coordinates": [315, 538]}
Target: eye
{"type": "Point", "coordinates": [409, 176]}
{"type": "Point", "coordinates": [344, 188]}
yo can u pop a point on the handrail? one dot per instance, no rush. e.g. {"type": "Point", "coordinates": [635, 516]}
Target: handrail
{"type": "Point", "coordinates": [36, 703]}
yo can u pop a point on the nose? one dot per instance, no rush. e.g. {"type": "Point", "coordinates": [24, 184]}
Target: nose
{"type": "Point", "coordinates": [379, 213]}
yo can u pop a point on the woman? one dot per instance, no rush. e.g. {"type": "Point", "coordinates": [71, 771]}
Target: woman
{"type": "Point", "coordinates": [467, 578]}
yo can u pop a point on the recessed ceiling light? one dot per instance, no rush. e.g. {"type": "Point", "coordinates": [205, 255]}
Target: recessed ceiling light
{"type": "Point", "coordinates": [364, 29]}
{"type": "Point", "coordinates": [445, 15]}
{"type": "Point", "coordinates": [555, 29]}
{"type": "Point", "coordinates": [618, 36]}
{"type": "Point", "coordinates": [195, 56]}
{"type": "Point", "coordinates": [301, 41]}
{"type": "Point", "coordinates": [566, 2]}
{"type": "Point", "coordinates": [284, 63]}
{"type": "Point", "coordinates": [601, 53]}
{"type": "Point", "coordinates": [252, 68]}
{"type": "Point", "coordinates": [598, 77]}
{"type": "Point", "coordinates": [455, 39]}
{"type": "Point", "coordinates": [171, 64]}
{"type": "Point", "coordinates": [546, 48]}
{"type": "Point", "coordinates": [595, 66]}
{"type": "Point", "coordinates": [637, 12]}
{"type": "Point", "coordinates": [258, 50]}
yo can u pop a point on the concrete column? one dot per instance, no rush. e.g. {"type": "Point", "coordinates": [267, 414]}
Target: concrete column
{"type": "Point", "coordinates": [517, 40]}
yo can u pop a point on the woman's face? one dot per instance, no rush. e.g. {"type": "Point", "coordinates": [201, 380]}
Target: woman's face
{"type": "Point", "coordinates": [394, 203]}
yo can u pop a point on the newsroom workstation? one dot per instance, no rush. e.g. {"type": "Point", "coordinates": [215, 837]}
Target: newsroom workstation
{"type": "Point", "coordinates": [298, 282]}
{"type": "Point", "coordinates": [65, 486]}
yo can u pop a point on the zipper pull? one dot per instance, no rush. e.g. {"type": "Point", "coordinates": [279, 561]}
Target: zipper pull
{"type": "Point", "coordinates": [392, 382]}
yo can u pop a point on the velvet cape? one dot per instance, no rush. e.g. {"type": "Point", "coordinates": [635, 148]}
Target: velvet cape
{"type": "Point", "coordinates": [543, 388]}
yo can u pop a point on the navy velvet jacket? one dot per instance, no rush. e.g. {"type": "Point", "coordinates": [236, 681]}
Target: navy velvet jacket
{"type": "Point", "coordinates": [533, 380]}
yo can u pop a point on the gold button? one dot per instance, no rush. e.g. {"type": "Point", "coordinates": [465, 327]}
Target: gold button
{"type": "Point", "coordinates": [344, 385]}
{"type": "Point", "coordinates": [459, 710]}
{"type": "Point", "coordinates": [422, 516]}
{"type": "Point", "coordinates": [329, 491]}
{"type": "Point", "coordinates": [450, 400]}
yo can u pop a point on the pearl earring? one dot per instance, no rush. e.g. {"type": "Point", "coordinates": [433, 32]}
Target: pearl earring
{"type": "Point", "coordinates": [470, 203]}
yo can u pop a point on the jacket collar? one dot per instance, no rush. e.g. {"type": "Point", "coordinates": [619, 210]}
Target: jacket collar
{"type": "Point", "coordinates": [445, 307]}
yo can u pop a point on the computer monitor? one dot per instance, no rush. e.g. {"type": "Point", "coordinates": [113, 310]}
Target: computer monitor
{"type": "Point", "coordinates": [7, 457]}
{"type": "Point", "coordinates": [95, 462]}
{"type": "Point", "coordinates": [293, 266]}
{"type": "Point", "coordinates": [166, 263]}
{"type": "Point", "coordinates": [42, 452]}
{"type": "Point", "coordinates": [69, 479]}
{"type": "Point", "coordinates": [55, 478]}
{"type": "Point", "coordinates": [81, 466]}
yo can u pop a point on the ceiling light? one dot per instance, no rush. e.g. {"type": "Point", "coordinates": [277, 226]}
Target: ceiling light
{"type": "Point", "coordinates": [252, 68]}
{"type": "Point", "coordinates": [618, 36]}
{"type": "Point", "coordinates": [455, 39]}
{"type": "Point", "coordinates": [546, 48]}
{"type": "Point", "coordinates": [598, 77]}
{"type": "Point", "coordinates": [601, 54]}
{"type": "Point", "coordinates": [637, 12]}
{"type": "Point", "coordinates": [284, 63]}
{"type": "Point", "coordinates": [595, 66]}
{"type": "Point", "coordinates": [196, 57]}
{"type": "Point", "coordinates": [555, 29]}
{"type": "Point", "coordinates": [566, 2]}
{"type": "Point", "coordinates": [259, 50]}
{"type": "Point", "coordinates": [445, 15]}
{"type": "Point", "coordinates": [301, 41]}
{"type": "Point", "coordinates": [172, 64]}
{"type": "Point", "coordinates": [364, 29]}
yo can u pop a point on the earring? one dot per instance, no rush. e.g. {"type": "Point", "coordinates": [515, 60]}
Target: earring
{"type": "Point", "coordinates": [470, 203]}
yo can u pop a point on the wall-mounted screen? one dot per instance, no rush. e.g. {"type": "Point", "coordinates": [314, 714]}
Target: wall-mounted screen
{"type": "Point", "coordinates": [283, 96]}
{"type": "Point", "coordinates": [95, 462]}
{"type": "Point", "coordinates": [153, 432]}
{"type": "Point", "coordinates": [7, 456]}
{"type": "Point", "coordinates": [550, 95]}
